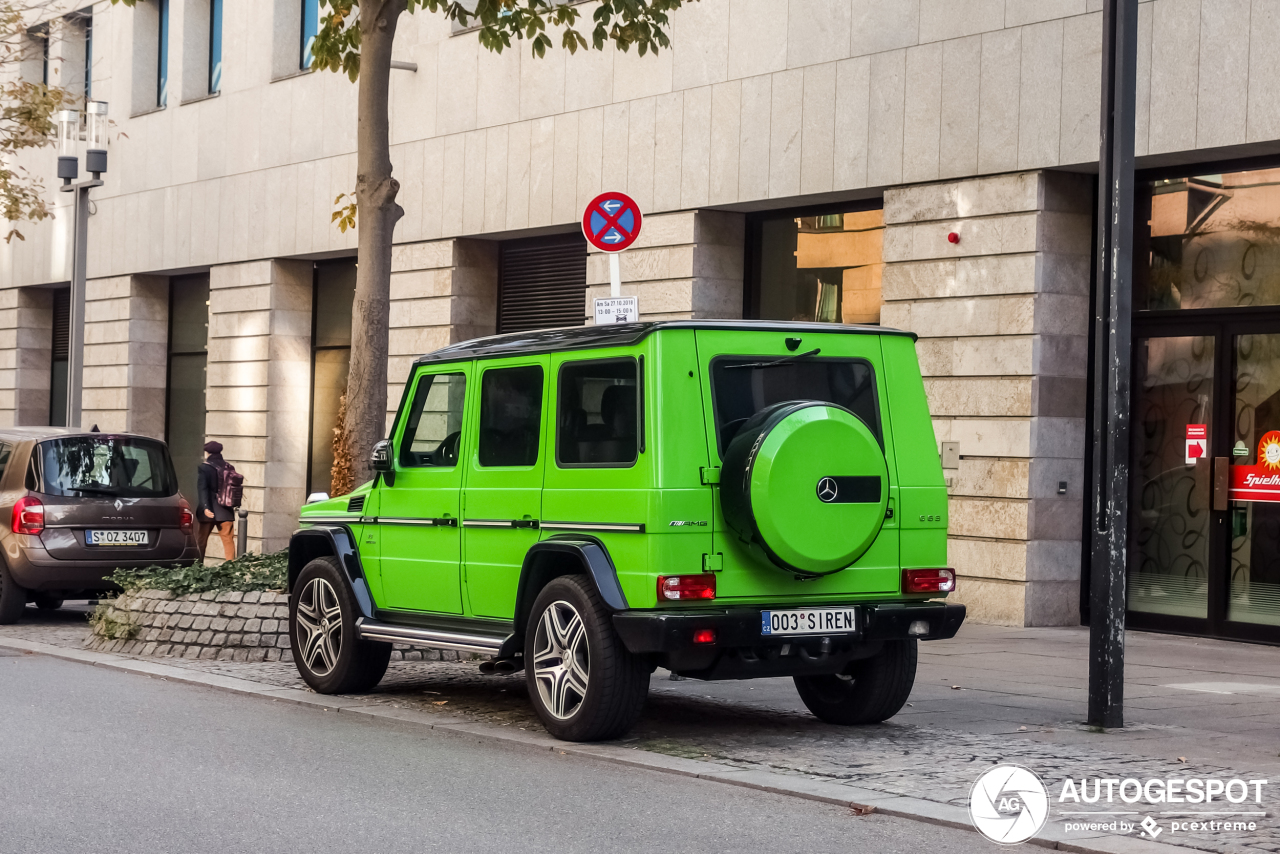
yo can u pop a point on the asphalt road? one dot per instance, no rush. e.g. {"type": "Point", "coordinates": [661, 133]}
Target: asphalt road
{"type": "Point", "coordinates": [96, 760]}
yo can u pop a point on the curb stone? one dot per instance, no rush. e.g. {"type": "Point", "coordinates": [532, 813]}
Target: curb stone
{"type": "Point", "coordinates": [861, 801]}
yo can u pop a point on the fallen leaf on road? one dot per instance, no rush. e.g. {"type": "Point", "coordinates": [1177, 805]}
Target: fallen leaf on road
{"type": "Point", "coordinates": [438, 702]}
{"type": "Point", "coordinates": [956, 688]}
{"type": "Point", "coordinates": [1182, 759]}
{"type": "Point", "coordinates": [1022, 729]}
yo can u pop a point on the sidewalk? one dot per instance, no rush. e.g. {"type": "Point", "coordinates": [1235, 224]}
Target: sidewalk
{"type": "Point", "coordinates": [1194, 708]}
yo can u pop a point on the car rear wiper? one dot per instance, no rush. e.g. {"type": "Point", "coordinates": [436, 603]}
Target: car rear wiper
{"type": "Point", "coordinates": [786, 360]}
{"type": "Point", "coordinates": [96, 490]}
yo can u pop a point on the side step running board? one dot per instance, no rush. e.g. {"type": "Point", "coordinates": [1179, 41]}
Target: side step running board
{"type": "Point", "coordinates": [375, 631]}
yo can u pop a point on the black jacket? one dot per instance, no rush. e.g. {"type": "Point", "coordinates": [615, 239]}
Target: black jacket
{"type": "Point", "coordinates": [207, 493]}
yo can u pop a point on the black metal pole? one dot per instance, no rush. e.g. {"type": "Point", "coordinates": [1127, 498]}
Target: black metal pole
{"type": "Point", "coordinates": [1113, 313]}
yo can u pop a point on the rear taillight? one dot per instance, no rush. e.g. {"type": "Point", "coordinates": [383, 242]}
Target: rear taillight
{"type": "Point", "coordinates": [928, 580]}
{"type": "Point", "coordinates": [682, 587]}
{"type": "Point", "coordinates": [28, 516]}
{"type": "Point", "coordinates": [185, 519]}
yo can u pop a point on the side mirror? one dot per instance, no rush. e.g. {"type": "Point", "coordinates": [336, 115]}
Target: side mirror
{"type": "Point", "coordinates": [382, 462]}
{"type": "Point", "coordinates": [382, 456]}
{"type": "Point", "coordinates": [317, 496]}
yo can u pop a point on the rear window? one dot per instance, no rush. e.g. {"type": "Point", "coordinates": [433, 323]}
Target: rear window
{"type": "Point", "coordinates": [743, 385]}
{"type": "Point", "coordinates": [123, 467]}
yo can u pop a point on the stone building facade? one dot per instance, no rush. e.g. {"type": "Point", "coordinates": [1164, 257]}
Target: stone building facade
{"type": "Point", "coordinates": [969, 118]}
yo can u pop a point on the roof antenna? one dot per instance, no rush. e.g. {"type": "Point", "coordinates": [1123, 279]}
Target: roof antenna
{"type": "Point", "coordinates": [94, 429]}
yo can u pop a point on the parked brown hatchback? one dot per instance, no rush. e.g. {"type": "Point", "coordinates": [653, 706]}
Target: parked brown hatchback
{"type": "Point", "coordinates": [80, 505]}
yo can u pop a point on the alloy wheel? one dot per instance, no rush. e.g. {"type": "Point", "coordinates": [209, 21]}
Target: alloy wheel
{"type": "Point", "coordinates": [561, 663]}
{"type": "Point", "coordinates": [320, 624]}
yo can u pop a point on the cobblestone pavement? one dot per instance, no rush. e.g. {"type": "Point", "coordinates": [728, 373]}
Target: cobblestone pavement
{"type": "Point", "coordinates": [958, 723]}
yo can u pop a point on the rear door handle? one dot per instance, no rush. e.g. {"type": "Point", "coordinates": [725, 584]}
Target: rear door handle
{"type": "Point", "coordinates": [1221, 482]}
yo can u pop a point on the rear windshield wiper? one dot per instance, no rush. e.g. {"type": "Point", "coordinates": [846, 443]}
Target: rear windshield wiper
{"type": "Point", "coordinates": [96, 490]}
{"type": "Point", "coordinates": [786, 360]}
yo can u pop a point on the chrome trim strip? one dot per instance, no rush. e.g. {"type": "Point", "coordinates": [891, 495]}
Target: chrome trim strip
{"type": "Point", "coordinates": [621, 527]}
{"type": "Point", "coordinates": [342, 520]}
{"type": "Point", "coordinates": [370, 630]}
{"type": "Point", "coordinates": [488, 523]}
{"type": "Point", "coordinates": [406, 520]}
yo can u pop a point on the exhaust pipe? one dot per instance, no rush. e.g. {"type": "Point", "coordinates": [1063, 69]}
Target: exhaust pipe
{"type": "Point", "coordinates": [508, 665]}
{"type": "Point", "coordinates": [488, 667]}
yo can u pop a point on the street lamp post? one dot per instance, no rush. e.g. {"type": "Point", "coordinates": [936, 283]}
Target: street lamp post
{"type": "Point", "coordinates": [69, 170]}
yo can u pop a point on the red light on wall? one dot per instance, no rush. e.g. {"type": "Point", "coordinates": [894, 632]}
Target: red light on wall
{"type": "Point", "coordinates": [953, 238]}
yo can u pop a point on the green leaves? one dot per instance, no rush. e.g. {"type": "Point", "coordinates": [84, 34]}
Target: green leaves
{"type": "Point", "coordinates": [345, 216]}
{"type": "Point", "coordinates": [642, 24]}
{"type": "Point", "coordinates": [249, 572]}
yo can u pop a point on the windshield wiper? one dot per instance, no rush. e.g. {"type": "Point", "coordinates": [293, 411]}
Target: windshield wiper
{"type": "Point", "coordinates": [96, 490]}
{"type": "Point", "coordinates": [786, 360]}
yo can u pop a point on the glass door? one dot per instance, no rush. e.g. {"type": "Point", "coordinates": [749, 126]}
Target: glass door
{"type": "Point", "coordinates": [1204, 477]}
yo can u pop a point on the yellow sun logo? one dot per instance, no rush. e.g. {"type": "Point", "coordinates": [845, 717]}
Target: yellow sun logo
{"type": "Point", "coordinates": [1269, 450]}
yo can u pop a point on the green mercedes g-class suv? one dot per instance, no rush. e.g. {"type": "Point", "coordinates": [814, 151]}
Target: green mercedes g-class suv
{"type": "Point", "coordinates": [725, 499]}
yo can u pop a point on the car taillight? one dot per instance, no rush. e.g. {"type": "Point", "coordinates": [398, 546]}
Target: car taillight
{"type": "Point", "coordinates": [185, 519]}
{"type": "Point", "coordinates": [704, 636]}
{"type": "Point", "coordinates": [681, 587]}
{"type": "Point", "coordinates": [28, 516]}
{"type": "Point", "coordinates": [928, 581]}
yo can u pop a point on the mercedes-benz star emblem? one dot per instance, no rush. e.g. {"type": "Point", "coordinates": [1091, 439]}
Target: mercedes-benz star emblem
{"type": "Point", "coordinates": [827, 490]}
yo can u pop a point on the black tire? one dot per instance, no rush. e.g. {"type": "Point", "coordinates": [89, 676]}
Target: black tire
{"type": "Point", "coordinates": [13, 598]}
{"type": "Point", "coordinates": [868, 692]}
{"type": "Point", "coordinates": [616, 681]}
{"type": "Point", "coordinates": [48, 601]}
{"type": "Point", "coordinates": [355, 665]}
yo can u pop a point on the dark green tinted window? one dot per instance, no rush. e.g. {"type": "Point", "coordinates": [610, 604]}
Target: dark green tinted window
{"type": "Point", "coordinates": [743, 385]}
{"type": "Point", "coordinates": [434, 431]}
{"type": "Point", "coordinates": [510, 416]}
{"type": "Point", "coordinates": [598, 420]}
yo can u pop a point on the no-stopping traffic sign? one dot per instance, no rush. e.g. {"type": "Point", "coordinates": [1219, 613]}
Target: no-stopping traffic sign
{"type": "Point", "coordinates": [611, 221]}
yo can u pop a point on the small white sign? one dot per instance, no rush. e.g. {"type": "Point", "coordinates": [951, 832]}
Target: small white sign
{"type": "Point", "coordinates": [617, 310]}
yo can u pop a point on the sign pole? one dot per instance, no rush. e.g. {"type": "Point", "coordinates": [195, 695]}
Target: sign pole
{"type": "Point", "coordinates": [1113, 314]}
{"type": "Point", "coordinates": [615, 275]}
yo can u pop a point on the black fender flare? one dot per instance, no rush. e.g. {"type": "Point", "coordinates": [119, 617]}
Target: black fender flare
{"type": "Point", "coordinates": [547, 559]}
{"type": "Point", "coordinates": [315, 541]}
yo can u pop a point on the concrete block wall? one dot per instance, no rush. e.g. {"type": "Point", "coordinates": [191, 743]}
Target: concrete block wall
{"type": "Point", "coordinates": [684, 266]}
{"type": "Point", "coordinates": [1003, 323]}
{"type": "Point", "coordinates": [259, 387]}
{"type": "Point", "coordinates": [126, 354]}
{"type": "Point", "coordinates": [442, 292]}
{"type": "Point", "coordinates": [26, 353]}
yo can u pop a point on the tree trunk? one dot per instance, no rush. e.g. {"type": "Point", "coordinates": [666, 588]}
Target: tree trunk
{"type": "Point", "coordinates": [377, 215]}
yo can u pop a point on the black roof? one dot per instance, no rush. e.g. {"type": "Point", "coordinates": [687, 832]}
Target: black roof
{"type": "Point", "coordinates": [622, 335]}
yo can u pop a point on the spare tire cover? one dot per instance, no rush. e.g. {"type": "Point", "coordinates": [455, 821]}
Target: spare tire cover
{"type": "Point", "coordinates": [807, 482]}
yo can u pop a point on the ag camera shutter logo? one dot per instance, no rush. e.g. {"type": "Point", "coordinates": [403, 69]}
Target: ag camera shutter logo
{"type": "Point", "coordinates": [1009, 804]}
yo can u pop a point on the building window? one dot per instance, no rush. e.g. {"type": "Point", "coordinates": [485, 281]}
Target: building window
{"type": "Point", "coordinates": [215, 46]}
{"type": "Point", "coordinates": [817, 266]}
{"type": "Point", "coordinates": [310, 28]}
{"type": "Point", "coordinates": [188, 373]}
{"type": "Point", "coordinates": [1208, 241]}
{"type": "Point", "coordinates": [334, 291]}
{"type": "Point", "coordinates": [542, 283]}
{"type": "Point", "coordinates": [61, 350]}
{"type": "Point", "coordinates": [162, 70]}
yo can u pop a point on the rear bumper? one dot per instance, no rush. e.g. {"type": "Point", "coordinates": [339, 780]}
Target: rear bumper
{"type": "Point", "coordinates": [740, 651]}
{"type": "Point", "coordinates": [33, 568]}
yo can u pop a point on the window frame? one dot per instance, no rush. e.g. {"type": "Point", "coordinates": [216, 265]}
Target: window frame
{"type": "Point", "coordinates": [215, 47]}
{"type": "Point", "coordinates": [409, 427]}
{"type": "Point", "coordinates": [638, 363]}
{"type": "Point", "coordinates": [162, 53]}
{"type": "Point", "coordinates": [877, 429]}
{"type": "Point", "coordinates": [306, 59]}
{"type": "Point", "coordinates": [541, 420]}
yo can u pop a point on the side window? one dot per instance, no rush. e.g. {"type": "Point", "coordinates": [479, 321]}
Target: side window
{"type": "Point", "coordinates": [510, 416]}
{"type": "Point", "coordinates": [6, 450]}
{"type": "Point", "coordinates": [432, 435]}
{"type": "Point", "coordinates": [599, 418]}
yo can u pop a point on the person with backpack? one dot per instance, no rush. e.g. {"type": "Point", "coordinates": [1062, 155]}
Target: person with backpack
{"type": "Point", "coordinates": [219, 489]}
